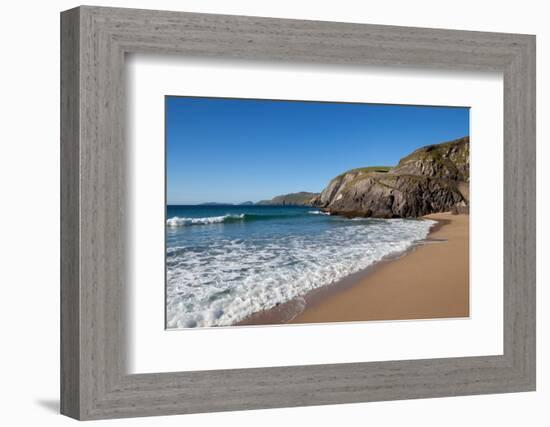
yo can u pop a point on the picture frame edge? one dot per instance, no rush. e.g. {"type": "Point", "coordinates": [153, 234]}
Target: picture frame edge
{"type": "Point", "coordinates": [94, 385]}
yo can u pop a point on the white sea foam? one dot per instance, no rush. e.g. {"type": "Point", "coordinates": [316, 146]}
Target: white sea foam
{"type": "Point", "coordinates": [180, 222]}
{"type": "Point", "coordinates": [229, 279]}
{"type": "Point", "coordinates": [319, 213]}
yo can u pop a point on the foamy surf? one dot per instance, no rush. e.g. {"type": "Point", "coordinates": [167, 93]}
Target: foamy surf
{"type": "Point", "coordinates": [220, 276]}
{"type": "Point", "coordinates": [180, 222]}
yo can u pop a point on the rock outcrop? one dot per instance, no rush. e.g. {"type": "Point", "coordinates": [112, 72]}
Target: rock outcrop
{"type": "Point", "coordinates": [302, 198]}
{"type": "Point", "coordinates": [431, 179]}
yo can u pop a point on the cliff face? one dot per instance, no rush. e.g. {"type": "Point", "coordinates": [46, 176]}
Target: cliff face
{"type": "Point", "coordinates": [449, 160]}
{"type": "Point", "coordinates": [302, 198]}
{"type": "Point", "coordinates": [431, 179]}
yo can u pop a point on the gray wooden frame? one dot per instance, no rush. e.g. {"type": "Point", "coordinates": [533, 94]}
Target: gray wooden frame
{"type": "Point", "coordinates": [94, 41]}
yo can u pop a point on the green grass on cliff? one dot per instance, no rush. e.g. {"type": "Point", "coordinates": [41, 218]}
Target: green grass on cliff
{"type": "Point", "coordinates": [438, 151]}
{"type": "Point", "coordinates": [379, 169]}
{"type": "Point", "coordinates": [371, 169]}
{"type": "Point", "coordinates": [435, 152]}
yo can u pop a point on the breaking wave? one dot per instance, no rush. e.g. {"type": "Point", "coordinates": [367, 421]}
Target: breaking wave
{"type": "Point", "coordinates": [177, 221]}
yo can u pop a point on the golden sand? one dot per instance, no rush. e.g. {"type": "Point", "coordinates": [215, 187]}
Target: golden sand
{"type": "Point", "coordinates": [431, 281]}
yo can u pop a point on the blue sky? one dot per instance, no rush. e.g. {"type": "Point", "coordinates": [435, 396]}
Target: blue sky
{"type": "Point", "coordinates": [235, 150]}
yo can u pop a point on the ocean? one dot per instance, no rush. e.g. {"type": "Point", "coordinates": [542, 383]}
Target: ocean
{"type": "Point", "coordinates": [224, 263]}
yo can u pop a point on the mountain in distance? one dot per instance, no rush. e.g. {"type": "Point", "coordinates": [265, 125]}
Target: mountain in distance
{"type": "Point", "coordinates": [248, 203]}
{"type": "Point", "coordinates": [215, 204]}
{"type": "Point", "coordinates": [431, 179]}
{"type": "Point", "coordinates": [302, 198]}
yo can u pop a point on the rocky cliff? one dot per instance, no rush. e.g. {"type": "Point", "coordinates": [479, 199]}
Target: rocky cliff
{"type": "Point", "coordinates": [431, 179]}
{"type": "Point", "coordinates": [302, 198]}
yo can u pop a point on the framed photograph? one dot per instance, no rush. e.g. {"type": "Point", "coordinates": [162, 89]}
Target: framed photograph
{"type": "Point", "coordinates": [263, 213]}
{"type": "Point", "coordinates": [257, 250]}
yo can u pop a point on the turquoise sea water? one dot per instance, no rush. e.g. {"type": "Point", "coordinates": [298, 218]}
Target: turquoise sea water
{"type": "Point", "coordinates": [224, 263]}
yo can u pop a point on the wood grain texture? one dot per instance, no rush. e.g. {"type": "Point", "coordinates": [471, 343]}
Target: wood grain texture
{"type": "Point", "coordinates": [70, 263]}
{"type": "Point", "coordinates": [94, 240]}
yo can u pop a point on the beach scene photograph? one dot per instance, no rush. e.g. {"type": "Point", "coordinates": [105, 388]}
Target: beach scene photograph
{"type": "Point", "coordinates": [306, 212]}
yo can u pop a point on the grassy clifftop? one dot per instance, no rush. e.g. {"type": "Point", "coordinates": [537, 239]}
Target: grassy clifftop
{"type": "Point", "coordinates": [433, 178]}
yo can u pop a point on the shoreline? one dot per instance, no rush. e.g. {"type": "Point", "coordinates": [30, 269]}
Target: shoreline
{"type": "Point", "coordinates": [428, 280]}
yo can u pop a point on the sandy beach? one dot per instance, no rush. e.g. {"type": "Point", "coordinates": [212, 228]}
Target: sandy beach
{"type": "Point", "coordinates": [429, 281]}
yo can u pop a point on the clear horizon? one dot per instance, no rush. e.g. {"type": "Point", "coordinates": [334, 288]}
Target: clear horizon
{"type": "Point", "coordinates": [238, 150]}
